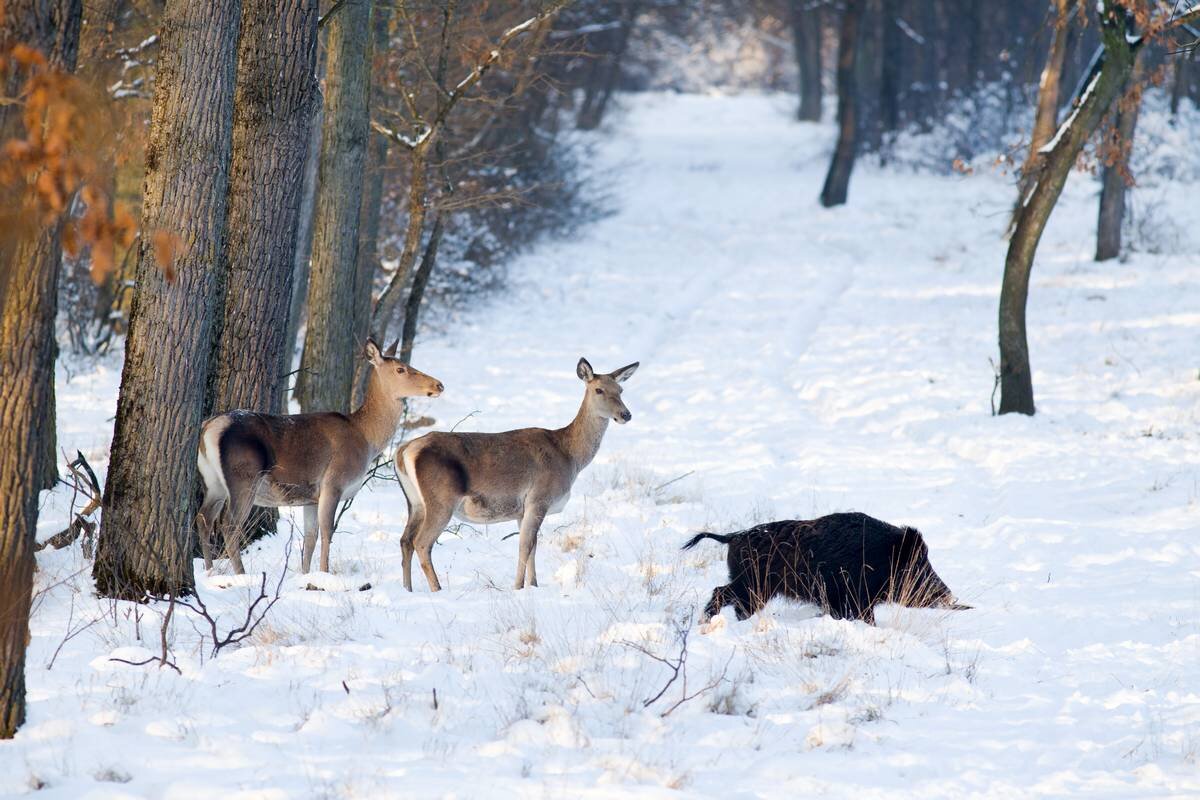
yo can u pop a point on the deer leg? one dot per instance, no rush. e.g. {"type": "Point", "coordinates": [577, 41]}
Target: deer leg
{"type": "Point", "coordinates": [531, 522]}
{"type": "Point", "coordinates": [416, 518]}
{"type": "Point", "coordinates": [311, 527]}
{"type": "Point", "coordinates": [326, 506]}
{"type": "Point", "coordinates": [206, 519]}
{"type": "Point", "coordinates": [240, 500]}
{"type": "Point", "coordinates": [433, 522]}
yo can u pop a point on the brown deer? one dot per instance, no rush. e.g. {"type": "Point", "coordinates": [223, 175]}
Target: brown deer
{"type": "Point", "coordinates": [520, 475]}
{"type": "Point", "coordinates": [313, 460]}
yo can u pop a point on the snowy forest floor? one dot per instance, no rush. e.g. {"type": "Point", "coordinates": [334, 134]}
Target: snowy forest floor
{"type": "Point", "coordinates": [795, 361]}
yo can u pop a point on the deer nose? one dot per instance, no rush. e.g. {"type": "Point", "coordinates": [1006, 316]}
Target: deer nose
{"type": "Point", "coordinates": [439, 387]}
{"type": "Point", "coordinates": [625, 415]}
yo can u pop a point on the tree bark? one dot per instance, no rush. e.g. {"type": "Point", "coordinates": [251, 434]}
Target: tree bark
{"type": "Point", "coordinates": [328, 361]}
{"type": "Point", "coordinates": [1110, 73]}
{"type": "Point", "coordinates": [1114, 181]}
{"type": "Point", "coordinates": [889, 76]}
{"type": "Point", "coordinates": [273, 108]}
{"type": "Point", "coordinates": [806, 41]}
{"type": "Point", "coordinates": [300, 267]}
{"type": "Point", "coordinates": [837, 182]}
{"type": "Point", "coordinates": [27, 352]}
{"type": "Point", "coordinates": [146, 532]}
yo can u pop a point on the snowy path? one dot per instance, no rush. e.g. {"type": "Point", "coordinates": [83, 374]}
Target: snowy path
{"type": "Point", "coordinates": [795, 361]}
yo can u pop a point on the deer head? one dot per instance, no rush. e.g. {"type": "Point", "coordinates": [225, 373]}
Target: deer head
{"type": "Point", "coordinates": [398, 380]}
{"type": "Point", "coordinates": [604, 391]}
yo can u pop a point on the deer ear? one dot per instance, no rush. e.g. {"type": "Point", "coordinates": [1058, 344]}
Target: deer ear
{"type": "Point", "coordinates": [391, 351]}
{"type": "Point", "coordinates": [373, 354]}
{"type": "Point", "coordinates": [624, 373]}
{"type": "Point", "coordinates": [584, 370]}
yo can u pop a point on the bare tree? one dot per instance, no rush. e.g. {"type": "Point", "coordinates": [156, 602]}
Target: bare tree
{"type": "Point", "coordinates": [28, 282]}
{"type": "Point", "coordinates": [146, 532]}
{"type": "Point", "coordinates": [837, 181]}
{"type": "Point", "coordinates": [1106, 80]}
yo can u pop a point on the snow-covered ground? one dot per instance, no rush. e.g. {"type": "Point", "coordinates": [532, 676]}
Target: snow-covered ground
{"type": "Point", "coordinates": [795, 361]}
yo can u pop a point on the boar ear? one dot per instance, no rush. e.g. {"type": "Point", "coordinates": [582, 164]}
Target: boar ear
{"type": "Point", "coordinates": [624, 373]}
{"type": "Point", "coordinates": [584, 370]}
{"type": "Point", "coordinates": [372, 352]}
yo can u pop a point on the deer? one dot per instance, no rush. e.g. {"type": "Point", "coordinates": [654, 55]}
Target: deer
{"type": "Point", "coordinates": [520, 475]}
{"type": "Point", "coordinates": [315, 460]}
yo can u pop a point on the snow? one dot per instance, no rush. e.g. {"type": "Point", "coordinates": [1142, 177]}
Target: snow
{"type": "Point", "coordinates": [795, 361]}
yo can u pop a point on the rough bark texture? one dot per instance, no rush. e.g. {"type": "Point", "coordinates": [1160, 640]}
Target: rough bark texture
{"type": "Point", "coordinates": [308, 193]}
{"type": "Point", "coordinates": [1113, 186]}
{"type": "Point", "coordinates": [837, 182]}
{"type": "Point", "coordinates": [806, 42]}
{"type": "Point", "coordinates": [1106, 82]}
{"type": "Point", "coordinates": [273, 104]}
{"type": "Point", "coordinates": [146, 531]}
{"type": "Point", "coordinates": [889, 73]}
{"type": "Point", "coordinates": [26, 359]}
{"type": "Point", "coordinates": [327, 363]}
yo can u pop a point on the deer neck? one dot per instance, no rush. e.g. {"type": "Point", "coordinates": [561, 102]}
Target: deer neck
{"type": "Point", "coordinates": [581, 439]}
{"type": "Point", "coordinates": [378, 416]}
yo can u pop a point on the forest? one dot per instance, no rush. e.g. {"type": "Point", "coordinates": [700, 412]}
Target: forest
{"type": "Point", "coordinates": [296, 293]}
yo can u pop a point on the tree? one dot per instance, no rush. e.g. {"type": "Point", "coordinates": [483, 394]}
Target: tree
{"type": "Point", "coordinates": [806, 42]}
{"type": "Point", "coordinates": [1106, 80]}
{"type": "Point", "coordinates": [28, 285]}
{"type": "Point", "coordinates": [1116, 176]}
{"type": "Point", "coordinates": [274, 99]}
{"type": "Point", "coordinates": [327, 365]}
{"type": "Point", "coordinates": [604, 69]}
{"type": "Point", "coordinates": [837, 181]}
{"type": "Point", "coordinates": [146, 531]}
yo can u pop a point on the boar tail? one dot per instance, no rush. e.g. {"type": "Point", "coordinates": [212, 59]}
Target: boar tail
{"type": "Point", "coordinates": [695, 540]}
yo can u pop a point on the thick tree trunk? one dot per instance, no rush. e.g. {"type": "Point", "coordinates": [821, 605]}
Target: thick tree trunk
{"type": "Point", "coordinates": [1107, 80]}
{"type": "Point", "coordinates": [328, 360]}
{"type": "Point", "coordinates": [1045, 120]}
{"type": "Point", "coordinates": [308, 194]}
{"type": "Point", "coordinates": [372, 206]}
{"type": "Point", "coordinates": [412, 309]}
{"type": "Point", "coordinates": [273, 108]}
{"type": "Point", "coordinates": [27, 353]}
{"type": "Point", "coordinates": [806, 41]}
{"type": "Point", "coordinates": [146, 531]}
{"type": "Point", "coordinates": [837, 182]}
{"type": "Point", "coordinates": [1113, 183]}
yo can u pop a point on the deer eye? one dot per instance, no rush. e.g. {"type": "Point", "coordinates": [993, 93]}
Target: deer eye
{"type": "Point", "coordinates": [599, 391]}
{"type": "Point", "coordinates": [400, 370]}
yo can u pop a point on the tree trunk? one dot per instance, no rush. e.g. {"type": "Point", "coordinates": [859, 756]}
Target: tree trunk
{"type": "Point", "coordinates": [837, 182]}
{"type": "Point", "coordinates": [27, 353]}
{"type": "Point", "coordinates": [1109, 75]}
{"type": "Point", "coordinates": [372, 206]}
{"type": "Point", "coordinates": [146, 532]}
{"type": "Point", "coordinates": [300, 266]}
{"type": "Point", "coordinates": [1179, 86]}
{"type": "Point", "coordinates": [412, 309]}
{"type": "Point", "coordinates": [889, 76]}
{"type": "Point", "coordinates": [273, 108]}
{"type": "Point", "coordinates": [1115, 179]}
{"type": "Point", "coordinates": [806, 41]}
{"type": "Point", "coordinates": [1045, 120]}
{"type": "Point", "coordinates": [329, 347]}
{"type": "Point", "coordinates": [385, 306]}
